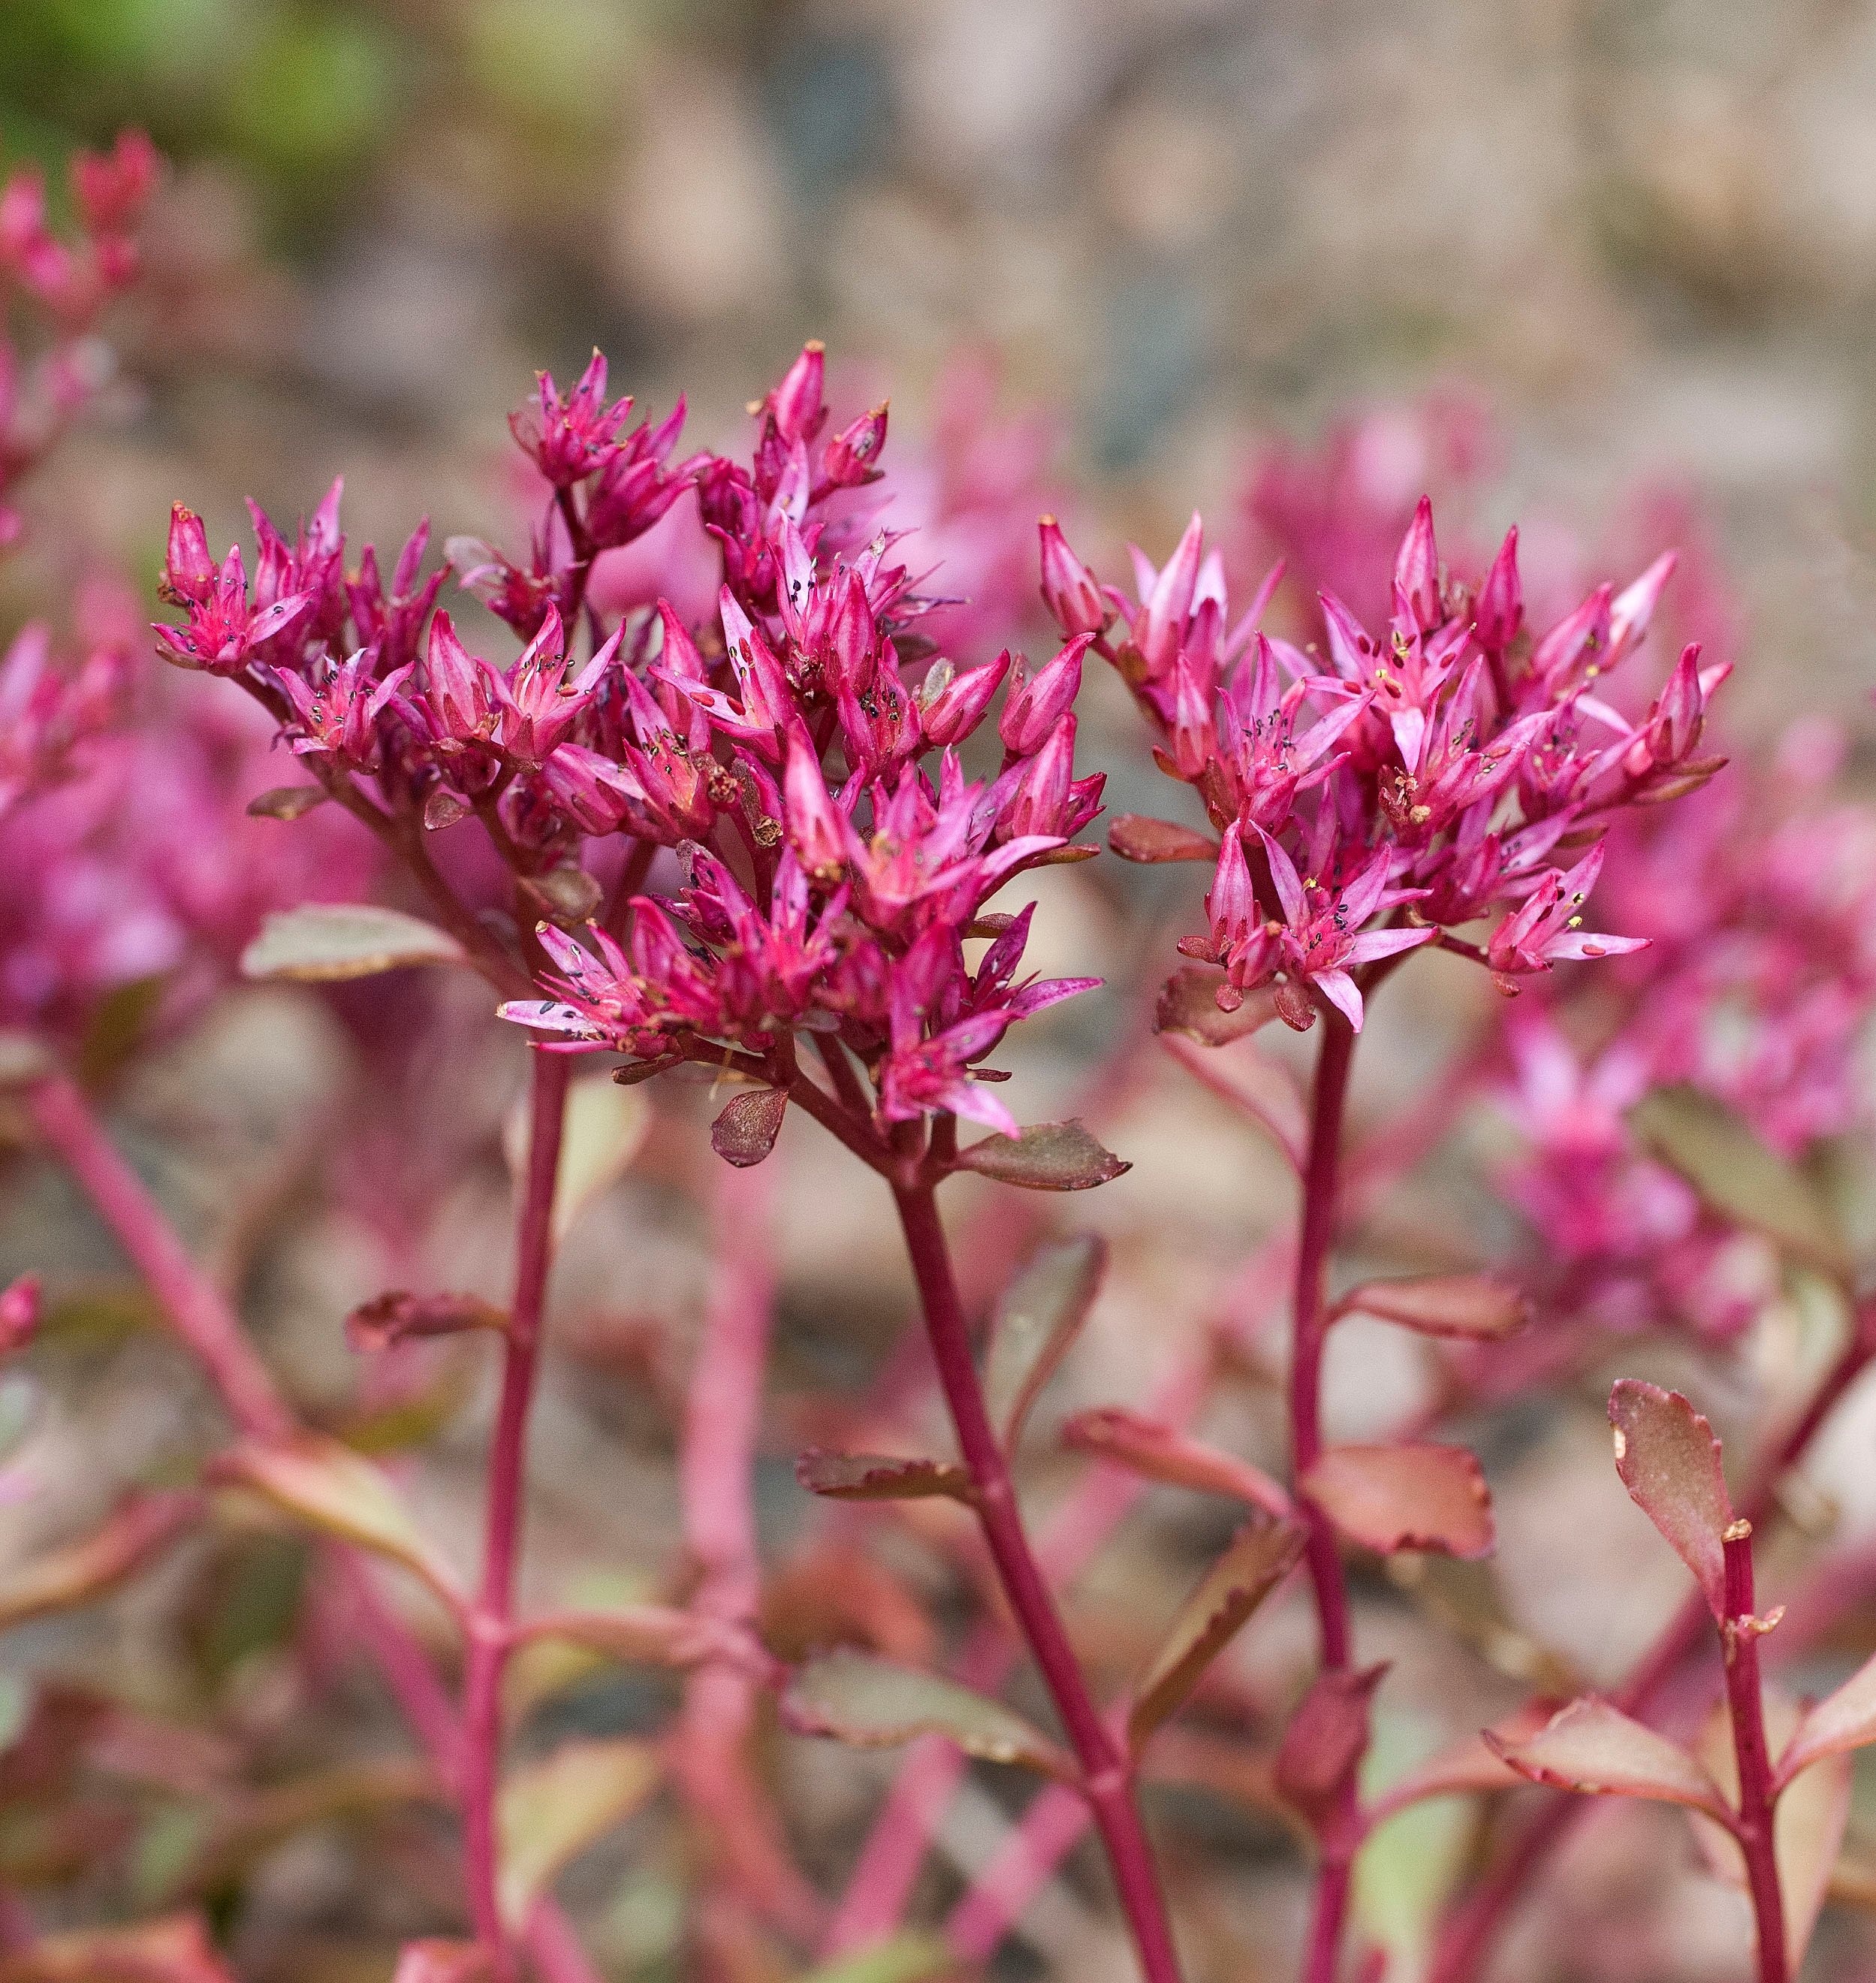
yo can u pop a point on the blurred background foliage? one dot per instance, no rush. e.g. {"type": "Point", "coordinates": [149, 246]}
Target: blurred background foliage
{"type": "Point", "coordinates": [1644, 235]}
{"type": "Point", "coordinates": [1639, 234]}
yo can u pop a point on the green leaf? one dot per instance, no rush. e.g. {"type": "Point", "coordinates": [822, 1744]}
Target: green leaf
{"type": "Point", "coordinates": [874, 1704]}
{"type": "Point", "coordinates": [1260, 1556]}
{"type": "Point", "coordinates": [1404, 1497]}
{"type": "Point", "coordinates": [906, 1958]}
{"type": "Point", "coordinates": [1041, 1314]}
{"type": "Point", "coordinates": [1670, 1462]}
{"type": "Point", "coordinates": [551, 1811]}
{"type": "Point", "coordinates": [646, 1635]}
{"type": "Point", "coordinates": [1740, 1177]}
{"type": "Point", "coordinates": [19, 1408]}
{"type": "Point", "coordinates": [1046, 1156]}
{"type": "Point", "coordinates": [605, 1129]}
{"type": "Point", "coordinates": [140, 1527]}
{"type": "Point", "coordinates": [1594, 1748]}
{"type": "Point", "coordinates": [1474, 1308]}
{"type": "Point", "coordinates": [879, 1476]}
{"type": "Point", "coordinates": [323, 942]}
{"type": "Point", "coordinates": [328, 1486]}
{"type": "Point", "coordinates": [287, 802]}
{"type": "Point", "coordinates": [1409, 1863]}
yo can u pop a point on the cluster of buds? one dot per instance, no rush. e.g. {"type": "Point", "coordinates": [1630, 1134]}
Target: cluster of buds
{"type": "Point", "coordinates": [1372, 794]}
{"type": "Point", "coordinates": [66, 283]}
{"type": "Point", "coordinates": [603, 486]}
{"type": "Point", "coordinates": [834, 858]}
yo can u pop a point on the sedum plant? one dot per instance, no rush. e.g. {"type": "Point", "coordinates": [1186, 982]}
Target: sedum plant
{"type": "Point", "coordinates": [783, 844]}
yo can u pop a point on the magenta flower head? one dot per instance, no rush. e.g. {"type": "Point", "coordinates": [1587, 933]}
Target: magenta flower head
{"type": "Point", "coordinates": [1376, 793]}
{"type": "Point", "coordinates": [836, 859]}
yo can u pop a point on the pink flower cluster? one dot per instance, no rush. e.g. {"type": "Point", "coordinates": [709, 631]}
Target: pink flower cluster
{"type": "Point", "coordinates": [835, 860]}
{"type": "Point", "coordinates": [1373, 794]}
{"type": "Point", "coordinates": [67, 285]}
{"type": "Point", "coordinates": [1757, 993]}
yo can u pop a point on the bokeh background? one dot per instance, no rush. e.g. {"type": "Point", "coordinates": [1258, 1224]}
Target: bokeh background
{"type": "Point", "coordinates": [1627, 245]}
{"type": "Point", "coordinates": [1643, 236]}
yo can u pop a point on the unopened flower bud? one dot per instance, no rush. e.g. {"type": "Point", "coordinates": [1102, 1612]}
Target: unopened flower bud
{"type": "Point", "coordinates": [950, 706]}
{"type": "Point", "coordinates": [1070, 590]}
{"type": "Point", "coordinates": [852, 451]}
{"type": "Point", "coordinates": [1039, 704]}
{"type": "Point", "coordinates": [797, 404]}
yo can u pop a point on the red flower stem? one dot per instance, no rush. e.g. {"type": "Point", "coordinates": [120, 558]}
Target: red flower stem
{"type": "Point", "coordinates": [710, 1748]}
{"type": "Point", "coordinates": [1310, 1328]}
{"type": "Point", "coordinates": [1739, 1632]}
{"type": "Point", "coordinates": [1106, 1772]}
{"type": "Point", "coordinates": [1471, 1928]}
{"type": "Point", "coordinates": [492, 1615]}
{"type": "Point", "coordinates": [209, 1329]}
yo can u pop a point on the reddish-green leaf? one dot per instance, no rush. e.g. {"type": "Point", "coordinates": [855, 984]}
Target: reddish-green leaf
{"type": "Point", "coordinates": [746, 1131]}
{"type": "Point", "coordinates": [1840, 1722]}
{"type": "Point", "coordinates": [550, 1811]}
{"type": "Point", "coordinates": [1041, 1314]}
{"type": "Point", "coordinates": [140, 1527]}
{"type": "Point", "coordinates": [1045, 1156]}
{"type": "Point", "coordinates": [1188, 1003]}
{"type": "Point", "coordinates": [1324, 1744]}
{"type": "Point", "coordinates": [874, 1703]}
{"type": "Point", "coordinates": [568, 897]}
{"type": "Point", "coordinates": [1143, 1445]}
{"type": "Point", "coordinates": [287, 802]}
{"type": "Point", "coordinates": [175, 1950]}
{"type": "Point", "coordinates": [1404, 1497]}
{"type": "Point", "coordinates": [1670, 1462]}
{"type": "Point", "coordinates": [906, 1957]}
{"type": "Point", "coordinates": [327, 1485]}
{"type": "Point", "coordinates": [1594, 1748]}
{"type": "Point", "coordinates": [1260, 1556]}
{"type": "Point", "coordinates": [651, 1635]}
{"type": "Point", "coordinates": [1134, 837]}
{"type": "Point", "coordinates": [323, 941]}
{"type": "Point", "coordinates": [1740, 1177]}
{"type": "Point", "coordinates": [1476, 1308]}
{"type": "Point", "coordinates": [400, 1316]}
{"type": "Point", "coordinates": [1472, 1764]}
{"type": "Point", "coordinates": [879, 1476]}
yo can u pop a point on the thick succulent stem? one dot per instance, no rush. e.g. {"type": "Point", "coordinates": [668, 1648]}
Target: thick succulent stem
{"type": "Point", "coordinates": [1106, 1774]}
{"type": "Point", "coordinates": [1321, 1181]}
{"type": "Point", "coordinates": [1740, 1631]}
